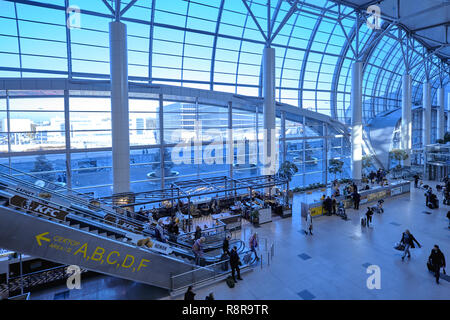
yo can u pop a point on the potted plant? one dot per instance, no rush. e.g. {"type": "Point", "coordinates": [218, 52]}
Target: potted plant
{"type": "Point", "coordinates": [399, 155]}
{"type": "Point", "coordinates": [286, 171]}
{"type": "Point", "coordinates": [254, 216]}
{"type": "Point", "coordinates": [335, 167]}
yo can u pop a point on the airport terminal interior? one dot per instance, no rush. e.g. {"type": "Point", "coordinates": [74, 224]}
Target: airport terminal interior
{"type": "Point", "coordinates": [224, 149]}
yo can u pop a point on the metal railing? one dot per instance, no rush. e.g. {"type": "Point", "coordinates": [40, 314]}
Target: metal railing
{"type": "Point", "coordinates": [33, 279]}
{"type": "Point", "coordinates": [210, 273]}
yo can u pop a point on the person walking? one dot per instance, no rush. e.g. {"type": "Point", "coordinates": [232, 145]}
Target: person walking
{"type": "Point", "coordinates": [369, 215]}
{"type": "Point", "coordinates": [416, 180]}
{"type": "Point", "coordinates": [333, 205]}
{"type": "Point", "coordinates": [408, 240]}
{"type": "Point", "coordinates": [309, 225]}
{"type": "Point", "coordinates": [198, 233]}
{"type": "Point", "coordinates": [436, 261]}
{"type": "Point", "coordinates": [253, 243]}
{"type": "Point", "coordinates": [226, 245]}
{"type": "Point", "coordinates": [234, 263]}
{"type": "Point", "coordinates": [356, 200]}
{"type": "Point", "coordinates": [189, 295]}
{"type": "Point", "coordinates": [197, 248]}
{"type": "Point", "coordinates": [159, 232]}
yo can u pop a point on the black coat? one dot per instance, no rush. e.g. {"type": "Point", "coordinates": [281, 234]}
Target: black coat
{"type": "Point", "coordinates": [225, 245]}
{"type": "Point", "coordinates": [437, 258]}
{"type": "Point", "coordinates": [234, 259]}
{"type": "Point", "coordinates": [410, 241]}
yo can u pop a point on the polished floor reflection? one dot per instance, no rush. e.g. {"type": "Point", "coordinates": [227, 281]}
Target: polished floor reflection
{"type": "Point", "coordinates": [331, 264]}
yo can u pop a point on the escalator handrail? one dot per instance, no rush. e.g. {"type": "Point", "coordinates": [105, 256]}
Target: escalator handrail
{"type": "Point", "coordinates": [115, 214]}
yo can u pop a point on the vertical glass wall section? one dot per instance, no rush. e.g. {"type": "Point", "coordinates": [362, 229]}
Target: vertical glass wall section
{"type": "Point", "coordinates": [92, 172]}
{"type": "Point", "coordinates": [195, 136]}
{"type": "Point", "coordinates": [245, 144]}
{"type": "Point", "coordinates": [36, 120]}
{"type": "Point", "coordinates": [90, 119]}
{"type": "Point", "coordinates": [180, 131]}
{"type": "Point", "coordinates": [144, 119]}
{"type": "Point", "coordinates": [42, 42]}
{"type": "Point", "coordinates": [144, 140]}
{"type": "Point", "coordinates": [9, 41]}
{"type": "Point", "coordinates": [3, 123]}
{"type": "Point", "coordinates": [48, 167]}
{"type": "Point", "coordinates": [89, 44]}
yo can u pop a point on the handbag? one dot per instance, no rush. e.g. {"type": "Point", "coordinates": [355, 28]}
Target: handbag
{"type": "Point", "coordinates": [399, 246]}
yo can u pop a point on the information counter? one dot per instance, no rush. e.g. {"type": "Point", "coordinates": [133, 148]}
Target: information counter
{"type": "Point", "coordinates": [367, 196]}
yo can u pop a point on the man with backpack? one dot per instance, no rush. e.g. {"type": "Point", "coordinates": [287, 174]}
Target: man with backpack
{"type": "Point", "coordinates": [436, 261]}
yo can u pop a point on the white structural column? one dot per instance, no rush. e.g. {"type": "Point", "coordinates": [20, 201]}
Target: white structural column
{"type": "Point", "coordinates": [426, 114]}
{"type": "Point", "coordinates": [406, 117]}
{"type": "Point", "coordinates": [119, 107]}
{"type": "Point", "coordinates": [356, 105]}
{"type": "Point", "coordinates": [269, 150]}
{"type": "Point", "coordinates": [441, 113]}
{"type": "Point", "coordinates": [448, 113]}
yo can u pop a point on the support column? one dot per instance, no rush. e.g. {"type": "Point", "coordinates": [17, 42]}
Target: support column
{"type": "Point", "coordinates": [269, 150]}
{"type": "Point", "coordinates": [448, 113]}
{"type": "Point", "coordinates": [426, 114]}
{"type": "Point", "coordinates": [119, 107]}
{"type": "Point", "coordinates": [406, 117]}
{"type": "Point", "coordinates": [283, 151]}
{"type": "Point", "coordinates": [441, 113]}
{"type": "Point", "coordinates": [356, 105]}
{"type": "Point", "coordinates": [230, 140]}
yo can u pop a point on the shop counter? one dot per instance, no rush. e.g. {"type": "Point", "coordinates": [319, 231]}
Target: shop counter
{"type": "Point", "coordinates": [367, 196]}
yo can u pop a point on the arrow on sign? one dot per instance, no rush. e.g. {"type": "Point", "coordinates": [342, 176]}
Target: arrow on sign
{"type": "Point", "coordinates": [40, 237]}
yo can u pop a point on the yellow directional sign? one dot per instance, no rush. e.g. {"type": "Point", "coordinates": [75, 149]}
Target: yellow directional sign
{"type": "Point", "coordinates": [40, 237]}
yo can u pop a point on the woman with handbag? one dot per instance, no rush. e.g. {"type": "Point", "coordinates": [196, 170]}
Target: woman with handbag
{"type": "Point", "coordinates": [408, 240]}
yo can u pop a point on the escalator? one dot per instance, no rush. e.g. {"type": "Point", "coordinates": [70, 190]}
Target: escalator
{"type": "Point", "coordinates": [55, 229]}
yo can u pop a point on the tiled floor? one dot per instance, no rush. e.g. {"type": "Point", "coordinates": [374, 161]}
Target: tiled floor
{"type": "Point", "coordinates": [331, 264]}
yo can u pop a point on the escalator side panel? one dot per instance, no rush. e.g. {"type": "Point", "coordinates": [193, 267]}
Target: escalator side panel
{"type": "Point", "coordinates": [62, 244]}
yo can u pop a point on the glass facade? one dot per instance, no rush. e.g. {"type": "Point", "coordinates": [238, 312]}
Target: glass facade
{"type": "Point", "coordinates": [213, 45]}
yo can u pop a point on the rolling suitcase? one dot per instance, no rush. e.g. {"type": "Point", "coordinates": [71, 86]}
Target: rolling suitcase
{"type": "Point", "coordinates": [230, 282]}
{"type": "Point", "coordinates": [224, 265]}
{"type": "Point", "coordinates": [363, 222]}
